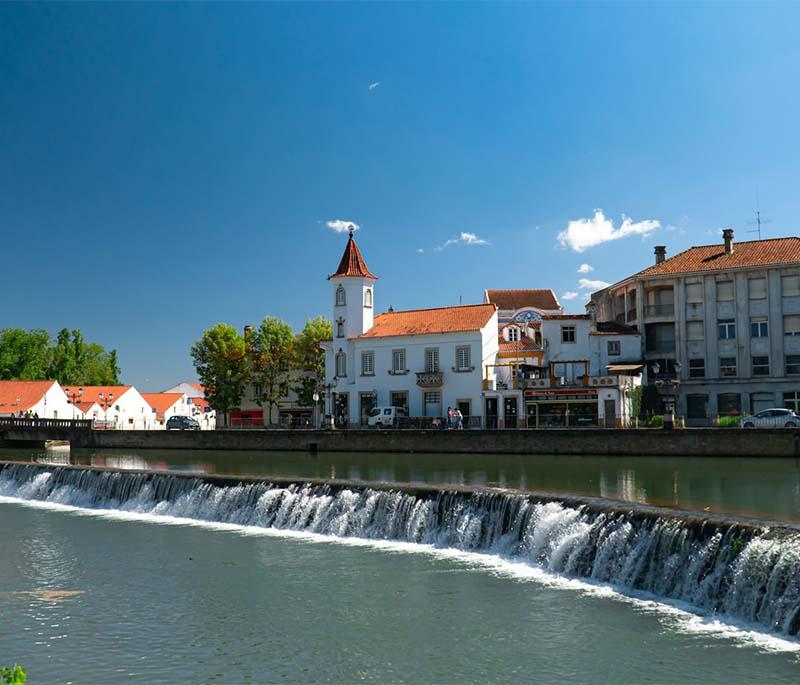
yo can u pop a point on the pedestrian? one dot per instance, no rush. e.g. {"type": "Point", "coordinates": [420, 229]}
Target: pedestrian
{"type": "Point", "coordinates": [459, 419]}
{"type": "Point", "coordinates": [449, 418]}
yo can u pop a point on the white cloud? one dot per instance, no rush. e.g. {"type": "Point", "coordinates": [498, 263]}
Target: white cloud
{"type": "Point", "coordinates": [581, 234]}
{"type": "Point", "coordinates": [569, 295]}
{"type": "Point", "coordinates": [585, 268]}
{"type": "Point", "coordinates": [464, 238]}
{"type": "Point", "coordinates": [420, 250]}
{"type": "Point", "coordinates": [588, 284]}
{"type": "Point", "coordinates": [341, 225]}
{"type": "Point", "coordinates": [373, 86]}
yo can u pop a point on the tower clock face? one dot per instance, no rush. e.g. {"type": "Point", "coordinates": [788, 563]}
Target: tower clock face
{"type": "Point", "coordinates": [528, 316]}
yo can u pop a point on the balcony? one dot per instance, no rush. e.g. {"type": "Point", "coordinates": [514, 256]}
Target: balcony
{"type": "Point", "coordinates": [659, 309]}
{"type": "Point", "coordinates": [430, 379]}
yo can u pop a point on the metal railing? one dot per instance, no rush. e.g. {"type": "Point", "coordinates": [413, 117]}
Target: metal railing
{"type": "Point", "coordinates": [659, 309]}
{"type": "Point", "coordinates": [37, 424]}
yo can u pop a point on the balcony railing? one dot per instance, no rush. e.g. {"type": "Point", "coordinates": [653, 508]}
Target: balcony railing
{"type": "Point", "coordinates": [430, 379]}
{"type": "Point", "coordinates": [659, 309]}
{"type": "Point", "coordinates": [632, 314]}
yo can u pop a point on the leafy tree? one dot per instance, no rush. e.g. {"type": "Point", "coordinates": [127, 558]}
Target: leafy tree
{"type": "Point", "coordinates": [76, 362]}
{"type": "Point", "coordinates": [310, 358]}
{"type": "Point", "coordinates": [24, 354]}
{"type": "Point", "coordinates": [220, 359]}
{"type": "Point", "coordinates": [272, 359]}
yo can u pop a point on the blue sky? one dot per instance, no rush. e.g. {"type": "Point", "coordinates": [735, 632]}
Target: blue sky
{"type": "Point", "coordinates": [166, 167]}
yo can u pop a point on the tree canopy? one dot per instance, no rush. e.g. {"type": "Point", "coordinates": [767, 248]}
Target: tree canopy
{"type": "Point", "coordinates": [310, 358]}
{"type": "Point", "coordinates": [70, 360]}
{"type": "Point", "coordinates": [221, 363]}
{"type": "Point", "coordinates": [272, 357]}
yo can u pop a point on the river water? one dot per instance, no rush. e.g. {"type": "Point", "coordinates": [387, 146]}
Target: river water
{"type": "Point", "coordinates": [101, 587]}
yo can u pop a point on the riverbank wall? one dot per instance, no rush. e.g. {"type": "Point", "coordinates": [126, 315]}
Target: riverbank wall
{"type": "Point", "coordinates": [708, 442]}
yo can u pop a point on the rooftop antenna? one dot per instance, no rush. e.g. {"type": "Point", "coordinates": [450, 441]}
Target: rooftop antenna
{"type": "Point", "coordinates": [758, 220]}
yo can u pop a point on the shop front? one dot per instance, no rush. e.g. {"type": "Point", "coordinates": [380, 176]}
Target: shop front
{"type": "Point", "coordinates": [561, 408]}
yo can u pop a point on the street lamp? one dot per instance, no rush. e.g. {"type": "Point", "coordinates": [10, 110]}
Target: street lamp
{"type": "Point", "coordinates": [106, 402]}
{"type": "Point", "coordinates": [330, 387]}
{"type": "Point", "coordinates": [315, 398]}
{"type": "Point", "coordinates": [73, 398]}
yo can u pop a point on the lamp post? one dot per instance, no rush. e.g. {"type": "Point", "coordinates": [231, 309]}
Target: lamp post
{"type": "Point", "coordinates": [106, 402]}
{"type": "Point", "coordinates": [73, 398]}
{"type": "Point", "coordinates": [671, 384]}
{"type": "Point", "coordinates": [315, 397]}
{"type": "Point", "coordinates": [331, 387]}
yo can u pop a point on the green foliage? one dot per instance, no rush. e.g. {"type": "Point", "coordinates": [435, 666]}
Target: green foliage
{"type": "Point", "coordinates": [220, 359]}
{"type": "Point", "coordinates": [272, 358]}
{"type": "Point", "coordinates": [656, 421]}
{"type": "Point", "coordinates": [728, 421]}
{"type": "Point", "coordinates": [737, 545]}
{"type": "Point", "coordinates": [310, 358]}
{"type": "Point", "coordinates": [635, 400]}
{"type": "Point", "coordinates": [13, 676]}
{"type": "Point", "coordinates": [30, 355]}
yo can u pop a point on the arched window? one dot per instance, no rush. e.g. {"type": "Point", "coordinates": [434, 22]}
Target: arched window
{"type": "Point", "coordinates": [341, 300]}
{"type": "Point", "coordinates": [340, 329]}
{"type": "Point", "coordinates": [341, 364]}
{"type": "Point", "coordinates": [368, 297]}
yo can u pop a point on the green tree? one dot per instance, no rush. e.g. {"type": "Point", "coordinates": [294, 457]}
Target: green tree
{"type": "Point", "coordinates": [220, 359]}
{"type": "Point", "coordinates": [24, 355]}
{"type": "Point", "coordinates": [76, 362]}
{"type": "Point", "coordinates": [310, 358]}
{"type": "Point", "coordinates": [272, 359]}
{"type": "Point", "coordinates": [13, 676]}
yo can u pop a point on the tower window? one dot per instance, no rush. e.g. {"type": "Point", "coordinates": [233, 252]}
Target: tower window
{"type": "Point", "coordinates": [341, 300]}
{"type": "Point", "coordinates": [340, 329]}
{"type": "Point", "coordinates": [368, 297]}
{"type": "Point", "coordinates": [341, 364]}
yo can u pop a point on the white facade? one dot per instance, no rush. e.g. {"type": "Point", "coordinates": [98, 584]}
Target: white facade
{"type": "Point", "coordinates": [126, 410]}
{"type": "Point", "coordinates": [43, 398]}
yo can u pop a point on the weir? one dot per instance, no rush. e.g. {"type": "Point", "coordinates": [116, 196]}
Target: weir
{"type": "Point", "coordinates": [738, 568]}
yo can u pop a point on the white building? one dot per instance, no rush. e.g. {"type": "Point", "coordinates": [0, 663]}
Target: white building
{"type": "Point", "coordinates": [424, 360]}
{"type": "Point", "coordinates": [43, 398]}
{"type": "Point", "coordinates": [122, 406]}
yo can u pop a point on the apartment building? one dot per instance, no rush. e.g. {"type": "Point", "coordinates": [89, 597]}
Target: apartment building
{"type": "Point", "coordinates": [720, 325]}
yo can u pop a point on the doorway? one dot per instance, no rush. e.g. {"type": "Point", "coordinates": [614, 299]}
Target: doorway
{"type": "Point", "coordinates": [491, 412]}
{"type": "Point", "coordinates": [510, 412]}
{"type": "Point", "coordinates": [610, 408]}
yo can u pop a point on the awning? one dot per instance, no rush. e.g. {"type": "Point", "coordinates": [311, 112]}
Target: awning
{"type": "Point", "coordinates": [622, 368]}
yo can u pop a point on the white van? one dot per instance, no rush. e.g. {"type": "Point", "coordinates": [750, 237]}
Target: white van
{"type": "Point", "coordinates": [385, 417]}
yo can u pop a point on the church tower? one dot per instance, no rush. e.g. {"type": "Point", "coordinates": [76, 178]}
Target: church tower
{"type": "Point", "coordinates": [353, 294]}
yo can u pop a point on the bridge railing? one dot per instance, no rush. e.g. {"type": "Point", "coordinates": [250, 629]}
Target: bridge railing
{"type": "Point", "coordinates": [38, 424]}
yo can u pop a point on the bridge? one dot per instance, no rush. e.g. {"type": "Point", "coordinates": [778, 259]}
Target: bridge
{"type": "Point", "coordinates": [34, 431]}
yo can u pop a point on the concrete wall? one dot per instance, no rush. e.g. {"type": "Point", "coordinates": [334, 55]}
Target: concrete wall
{"type": "Point", "coordinates": [689, 442]}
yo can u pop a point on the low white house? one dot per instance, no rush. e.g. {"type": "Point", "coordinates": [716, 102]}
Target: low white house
{"type": "Point", "coordinates": [123, 407]}
{"type": "Point", "coordinates": [424, 360]}
{"type": "Point", "coordinates": [43, 398]}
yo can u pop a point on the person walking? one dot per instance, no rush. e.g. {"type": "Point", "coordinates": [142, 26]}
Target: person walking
{"type": "Point", "coordinates": [449, 418]}
{"type": "Point", "coordinates": [459, 419]}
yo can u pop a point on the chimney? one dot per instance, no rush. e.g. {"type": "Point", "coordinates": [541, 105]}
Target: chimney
{"type": "Point", "coordinates": [661, 253]}
{"type": "Point", "coordinates": [727, 236]}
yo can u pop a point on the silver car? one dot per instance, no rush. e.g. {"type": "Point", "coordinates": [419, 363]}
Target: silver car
{"type": "Point", "coordinates": [771, 418]}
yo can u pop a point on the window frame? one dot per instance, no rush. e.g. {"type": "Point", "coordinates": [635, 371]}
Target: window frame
{"type": "Point", "coordinates": [796, 319]}
{"type": "Point", "coordinates": [695, 325]}
{"type": "Point", "coordinates": [757, 323]}
{"type": "Point", "coordinates": [468, 350]}
{"type": "Point", "coordinates": [613, 348]}
{"type": "Point", "coordinates": [341, 364]}
{"type": "Point", "coordinates": [698, 367]}
{"type": "Point", "coordinates": [730, 325]}
{"type": "Point", "coordinates": [399, 354]}
{"type": "Point", "coordinates": [733, 367]}
{"type": "Point", "coordinates": [690, 297]}
{"type": "Point", "coordinates": [368, 363]}
{"type": "Point", "coordinates": [340, 329]}
{"type": "Point", "coordinates": [341, 296]}
{"type": "Point", "coordinates": [368, 298]}
{"type": "Point", "coordinates": [795, 364]}
{"type": "Point", "coordinates": [794, 292]}
{"type": "Point", "coordinates": [750, 282]}
{"type": "Point", "coordinates": [760, 365]}
{"type": "Point", "coordinates": [725, 283]}
{"type": "Point", "coordinates": [432, 354]}
{"type": "Point", "coordinates": [567, 331]}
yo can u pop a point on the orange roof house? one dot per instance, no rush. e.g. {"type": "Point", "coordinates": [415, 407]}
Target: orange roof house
{"type": "Point", "coordinates": [23, 396]}
{"type": "Point", "coordinates": [161, 402]}
{"type": "Point", "coordinates": [472, 317]}
{"type": "Point", "coordinates": [511, 300]}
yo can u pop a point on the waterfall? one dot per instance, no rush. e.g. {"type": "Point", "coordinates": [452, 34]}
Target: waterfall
{"type": "Point", "coordinates": [731, 568]}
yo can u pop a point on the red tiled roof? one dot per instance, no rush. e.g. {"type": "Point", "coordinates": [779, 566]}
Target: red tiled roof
{"type": "Point", "coordinates": [770, 252]}
{"type": "Point", "coordinates": [524, 344]}
{"type": "Point", "coordinates": [85, 406]}
{"type": "Point", "coordinates": [200, 403]}
{"type": "Point", "coordinates": [352, 263]}
{"type": "Point", "coordinates": [471, 317]}
{"type": "Point", "coordinates": [517, 299]}
{"type": "Point", "coordinates": [28, 392]}
{"type": "Point", "coordinates": [566, 316]}
{"type": "Point", "coordinates": [91, 393]}
{"type": "Point", "coordinates": [161, 401]}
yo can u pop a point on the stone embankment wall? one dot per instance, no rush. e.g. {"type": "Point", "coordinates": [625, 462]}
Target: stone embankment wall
{"type": "Point", "coordinates": [691, 442]}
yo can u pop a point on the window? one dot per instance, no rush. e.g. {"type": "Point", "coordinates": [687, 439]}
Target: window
{"type": "Point", "coordinates": [729, 404]}
{"type": "Point", "coordinates": [340, 329]}
{"type": "Point", "coordinates": [727, 329]}
{"type": "Point", "coordinates": [791, 400]}
{"type": "Point", "coordinates": [791, 324]}
{"type": "Point", "coordinates": [696, 406]}
{"type": "Point", "coordinates": [398, 361]}
{"type": "Point", "coordinates": [790, 286]}
{"type": "Point", "coordinates": [792, 364]}
{"type": "Point", "coordinates": [400, 399]}
{"type": "Point", "coordinates": [613, 348]}
{"type": "Point", "coordinates": [433, 403]}
{"type": "Point", "coordinates": [758, 327]}
{"type": "Point", "coordinates": [760, 366]}
{"type": "Point", "coordinates": [694, 293]}
{"type": "Point", "coordinates": [432, 359]}
{"type": "Point", "coordinates": [568, 334]}
{"type": "Point", "coordinates": [368, 297]}
{"type": "Point", "coordinates": [341, 364]}
{"type": "Point", "coordinates": [727, 366]}
{"type": "Point", "coordinates": [513, 334]}
{"type": "Point", "coordinates": [368, 363]}
{"type": "Point", "coordinates": [757, 288]}
{"type": "Point", "coordinates": [724, 291]}
{"type": "Point", "coordinates": [463, 358]}
{"type": "Point", "coordinates": [341, 300]}
{"type": "Point", "coordinates": [694, 330]}
{"type": "Point", "coordinates": [697, 368]}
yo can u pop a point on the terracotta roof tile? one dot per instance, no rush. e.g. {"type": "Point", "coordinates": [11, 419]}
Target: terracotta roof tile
{"type": "Point", "coordinates": [28, 392]}
{"type": "Point", "coordinates": [770, 252]}
{"type": "Point", "coordinates": [161, 401]}
{"type": "Point", "coordinates": [352, 263]}
{"type": "Point", "coordinates": [524, 344]}
{"type": "Point", "coordinates": [471, 317]}
{"type": "Point", "coordinates": [566, 316]}
{"type": "Point", "coordinates": [517, 299]}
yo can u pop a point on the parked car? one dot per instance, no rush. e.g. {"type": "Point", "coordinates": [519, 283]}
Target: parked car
{"type": "Point", "coordinates": [182, 423]}
{"type": "Point", "coordinates": [771, 418]}
{"type": "Point", "coordinates": [385, 417]}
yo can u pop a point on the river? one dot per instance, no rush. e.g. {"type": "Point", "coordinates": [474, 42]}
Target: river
{"type": "Point", "coordinates": [117, 589]}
